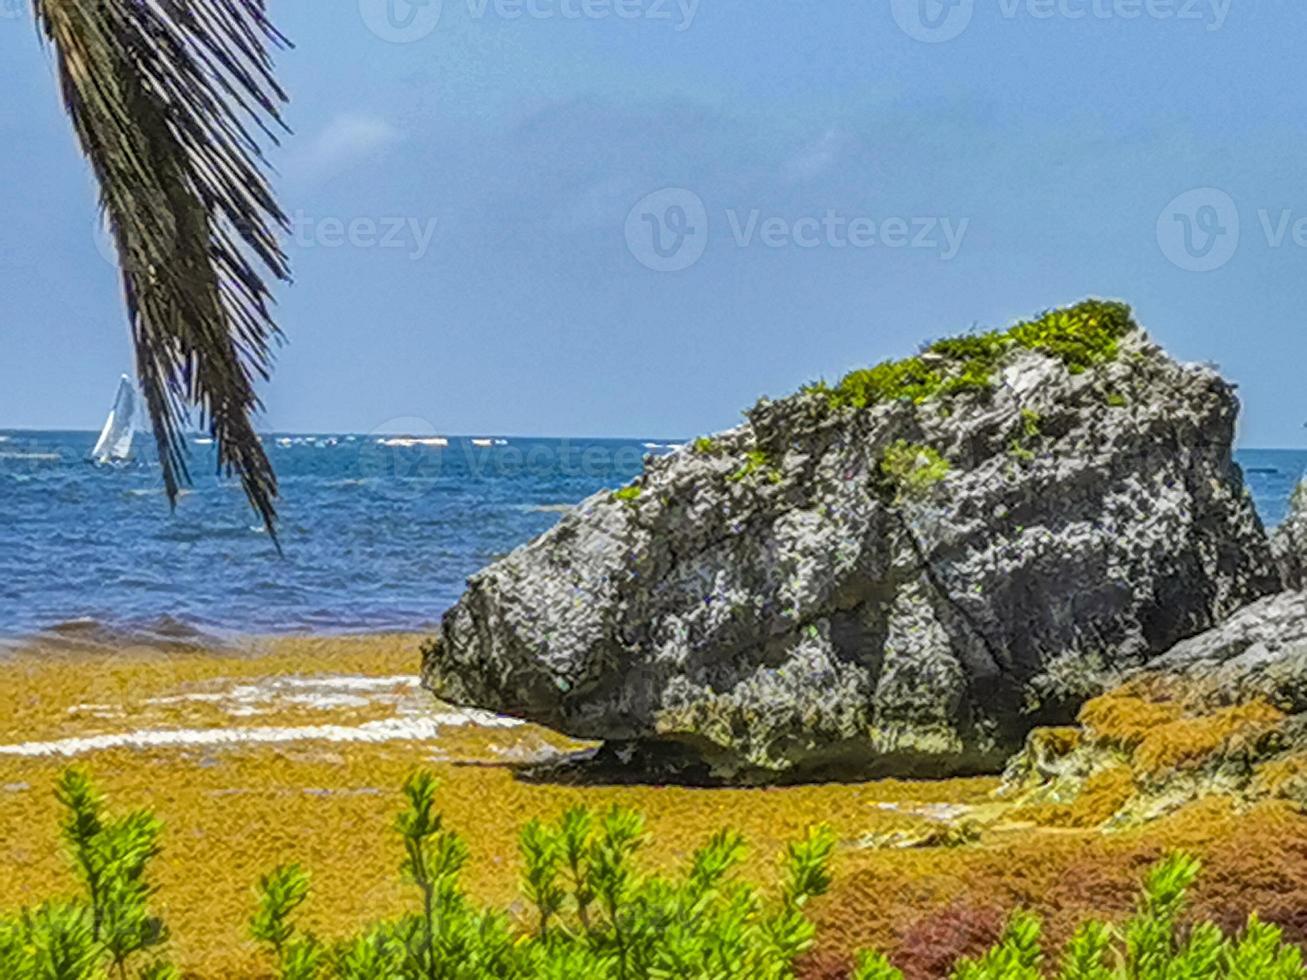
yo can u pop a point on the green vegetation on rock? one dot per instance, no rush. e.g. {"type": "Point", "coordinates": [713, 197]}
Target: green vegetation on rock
{"type": "Point", "coordinates": [1031, 430]}
{"type": "Point", "coordinates": [628, 495]}
{"type": "Point", "coordinates": [706, 446]}
{"type": "Point", "coordinates": [1081, 336]}
{"type": "Point", "coordinates": [756, 461]}
{"type": "Point", "coordinates": [909, 470]}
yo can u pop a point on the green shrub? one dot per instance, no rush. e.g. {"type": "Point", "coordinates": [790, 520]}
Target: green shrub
{"type": "Point", "coordinates": [595, 915]}
{"type": "Point", "coordinates": [1032, 423]}
{"type": "Point", "coordinates": [97, 933]}
{"type": "Point", "coordinates": [628, 495]}
{"type": "Point", "coordinates": [912, 379]}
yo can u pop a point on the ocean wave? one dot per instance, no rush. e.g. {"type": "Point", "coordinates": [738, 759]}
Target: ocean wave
{"type": "Point", "coordinates": [155, 492]}
{"type": "Point", "coordinates": [546, 508]}
{"type": "Point", "coordinates": [166, 632]}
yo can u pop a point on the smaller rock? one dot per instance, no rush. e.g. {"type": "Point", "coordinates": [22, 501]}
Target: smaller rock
{"type": "Point", "coordinates": [1221, 714]}
{"type": "Point", "coordinates": [1289, 540]}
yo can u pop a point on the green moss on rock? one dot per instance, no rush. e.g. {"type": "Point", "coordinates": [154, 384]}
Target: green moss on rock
{"type": "Point", "coordinates": [910, 470]}
{"type": "Point", "coordinates": [1081, 336]}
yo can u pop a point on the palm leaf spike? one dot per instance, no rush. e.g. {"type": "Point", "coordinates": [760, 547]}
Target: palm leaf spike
{"type": "Point", "coordinates": [164, 96]}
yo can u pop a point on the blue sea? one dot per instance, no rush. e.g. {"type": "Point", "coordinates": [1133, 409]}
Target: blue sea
{"type": "Point", "coordinates": [375, 537]}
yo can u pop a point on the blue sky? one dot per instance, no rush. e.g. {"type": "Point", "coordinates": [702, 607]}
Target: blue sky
{"type": "Point", "coordinates": [475, 232]}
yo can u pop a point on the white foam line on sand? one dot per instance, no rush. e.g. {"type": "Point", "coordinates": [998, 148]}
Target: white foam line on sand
{"type": "Point", "coordinates": [350, 683]}
{"type": "Point", "coordinates": [389, 730]}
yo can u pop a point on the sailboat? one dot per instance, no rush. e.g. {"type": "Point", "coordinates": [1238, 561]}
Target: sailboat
{"type": "Point", "coordinates": [115, 442]}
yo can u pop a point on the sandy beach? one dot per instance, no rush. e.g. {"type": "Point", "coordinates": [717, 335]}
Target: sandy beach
{"type": "Point", "coordinates": [292, 749]}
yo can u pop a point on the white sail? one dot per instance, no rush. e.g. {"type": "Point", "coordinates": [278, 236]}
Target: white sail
{"type": "Point", "coordinates": [115, 440]}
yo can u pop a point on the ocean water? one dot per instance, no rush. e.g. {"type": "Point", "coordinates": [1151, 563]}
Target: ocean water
{"type": "Point", "coordinates": [375, 537]}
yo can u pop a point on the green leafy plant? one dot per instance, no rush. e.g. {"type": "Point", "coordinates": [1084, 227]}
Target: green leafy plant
{"type": "Point", "coordinates": [628, 495]}
{"type": "Point", "coordinates": [594, 912]}
{"type": "Point", "coordinates": [100, 931]}
{"type": "Point", "coordinates": [280, 893]}
{"type": "Point", "coordinates": [1081, 336]}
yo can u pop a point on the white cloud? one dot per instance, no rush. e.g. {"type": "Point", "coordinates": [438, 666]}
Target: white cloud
{"type": "Point", "coordinates": [816, 158]}
{"type": "Point", "coordinates": [347, 138]}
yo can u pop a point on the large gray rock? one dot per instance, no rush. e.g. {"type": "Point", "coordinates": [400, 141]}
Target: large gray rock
{"type": "Point", "coordinates": [810, 595]}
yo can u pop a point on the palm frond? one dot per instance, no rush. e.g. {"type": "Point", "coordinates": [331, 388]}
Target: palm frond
{"type": "Point", "coordinates": [166, 97]}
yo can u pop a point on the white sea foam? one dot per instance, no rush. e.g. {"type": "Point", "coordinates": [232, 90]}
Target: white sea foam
{"type": "Point", "coordinates": [409, 441]}
{"type": "Point", "coordinates": [389, 730]}
{"type": "Point", "coordinates": [336, 691]}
